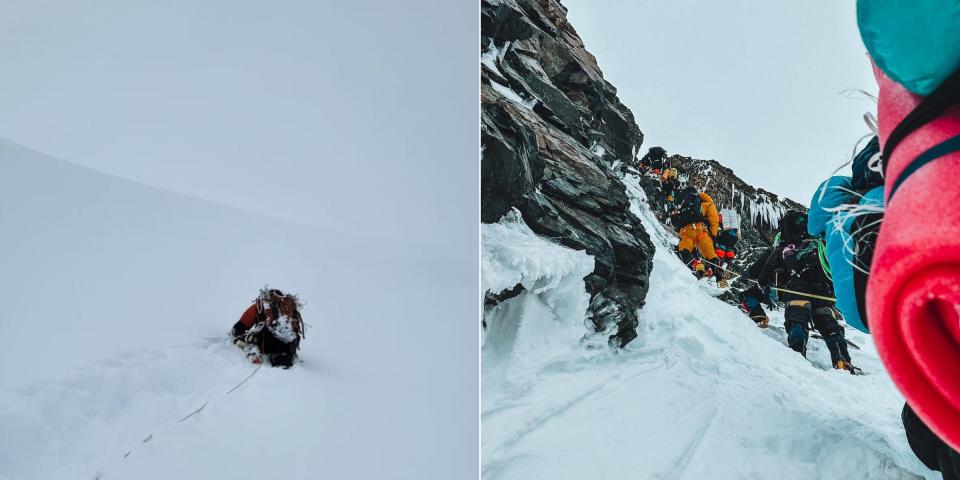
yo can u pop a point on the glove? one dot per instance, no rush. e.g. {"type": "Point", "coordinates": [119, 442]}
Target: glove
{"type": "Point", "coordinates": [240, 343]}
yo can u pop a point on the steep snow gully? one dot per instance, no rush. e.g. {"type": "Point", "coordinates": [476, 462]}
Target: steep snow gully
{"type": "Point", "coordinates": [115, 364]}
{"type": "Point", "coordinates": [701, 393]}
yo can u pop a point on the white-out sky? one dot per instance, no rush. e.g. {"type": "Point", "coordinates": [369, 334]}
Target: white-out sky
{"type": "Point", "coordinates": [345, 115]}
{"type": "Point", "coordinates": [754, 85]}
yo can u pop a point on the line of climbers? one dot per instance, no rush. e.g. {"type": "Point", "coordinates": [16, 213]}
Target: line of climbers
{"type": "Point", "coordinates": [705, 246]}
{"type": "Point", "coordinates": [796, 270]}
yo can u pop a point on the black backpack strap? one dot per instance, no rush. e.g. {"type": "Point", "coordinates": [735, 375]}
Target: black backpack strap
{"type": "Point", "coordinates": [932, 106]}
{"type": "Point", "coordinates": [939, 150]}
{"type": "Point", "coordinates": [865, 230]}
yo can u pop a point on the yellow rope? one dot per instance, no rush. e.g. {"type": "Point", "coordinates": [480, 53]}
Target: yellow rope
{"type": "Point", "coordinates": [821, 297]}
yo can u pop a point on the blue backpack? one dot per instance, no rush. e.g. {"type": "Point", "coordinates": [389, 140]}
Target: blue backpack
{"type": "Point", "coordinates": [836, 229]}
{"type": "Point", "coordinates": [825, 224]}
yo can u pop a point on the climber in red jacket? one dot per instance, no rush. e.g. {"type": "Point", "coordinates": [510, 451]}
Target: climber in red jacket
{"type": "Point", "coordinates": [272, 327]}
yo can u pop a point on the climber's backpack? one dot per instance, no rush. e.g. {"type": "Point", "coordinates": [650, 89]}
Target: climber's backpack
{"type": "Point", "coordinates": [865, 177]}
{"type": "Point", "coordinates": [278, 339]}
{"type": "Point", "coordinates": [690, 209]}
{"type": "Point", "coordinates": [864, 233]}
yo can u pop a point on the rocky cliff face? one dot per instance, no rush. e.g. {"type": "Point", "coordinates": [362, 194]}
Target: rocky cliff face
{"type": "Point", "coordinates": [556, 140]}
{"type": "Point", "coordinates": [551, 131]}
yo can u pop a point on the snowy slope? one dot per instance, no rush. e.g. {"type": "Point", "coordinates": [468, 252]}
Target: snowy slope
{"type": "Point", "coordinates": [117, 299]}
{"type": "Point", "coordinates": [701, 393]}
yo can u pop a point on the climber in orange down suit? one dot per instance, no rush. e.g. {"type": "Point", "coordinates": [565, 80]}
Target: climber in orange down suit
{"type": "Point", "coordinates": [699, 223]}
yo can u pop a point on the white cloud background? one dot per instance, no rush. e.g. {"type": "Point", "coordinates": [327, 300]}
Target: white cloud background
{"type": "Point", "coordinates": [327, 113]}
{"type": "Point", "coordinates": [754, 85]}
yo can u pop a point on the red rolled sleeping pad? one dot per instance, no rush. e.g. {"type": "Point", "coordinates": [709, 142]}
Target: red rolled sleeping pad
{"type": "Point", "coordinates": [913, 294]}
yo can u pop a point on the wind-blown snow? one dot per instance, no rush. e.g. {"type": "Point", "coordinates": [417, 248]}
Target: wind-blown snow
{"type": "Point", "coordinates": [512, 254]}
{"type": "Point", "coordinates": [523, 331]}
{"type": "Point", "coordinates": [701, 393]}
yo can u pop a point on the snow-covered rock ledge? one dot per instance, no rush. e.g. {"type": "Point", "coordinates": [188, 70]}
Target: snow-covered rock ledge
{"type": "Point", "coordinates": [548, 309]}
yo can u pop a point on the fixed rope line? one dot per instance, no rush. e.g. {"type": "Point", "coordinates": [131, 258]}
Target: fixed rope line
{"type": "Point", "coordinates": [254, 372]}
{"type": "Point", "coordinates": [784, 290]}
{"type": "Point", "coordinates": [99, 475]}
{"type": "Point", "coordinates": [821, 297]}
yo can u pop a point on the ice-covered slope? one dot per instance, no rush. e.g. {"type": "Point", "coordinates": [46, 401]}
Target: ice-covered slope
{"type": "Point", "coordinates": [701, 393]}
{"type": "Point", "coordinates": [117, 298]}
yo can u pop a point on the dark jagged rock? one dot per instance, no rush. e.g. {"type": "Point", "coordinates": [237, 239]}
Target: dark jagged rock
{"type": "Point", "coordinates": [551, 130]}
{"type": "Point", "coordinates": [491, 298]}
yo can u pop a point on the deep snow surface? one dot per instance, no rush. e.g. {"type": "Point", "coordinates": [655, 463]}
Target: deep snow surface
{"type": "Point", "coordinates": [117, 300]}
{"type": "Point", "coordinates": [701, 393]}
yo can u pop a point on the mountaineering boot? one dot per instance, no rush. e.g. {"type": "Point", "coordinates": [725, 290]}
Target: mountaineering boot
{"type": "Point", "coordinates": [797, 324]}
{"type": "Point", "coordinates": [699, 269]}
{"type": "Point", "coordinates": [836, 344]}
{"type": "Point", "coordinates": [756, 314]}
{"type": "Point", "coordinates": [846, 365]}
{"type": "Point", "coordinates": [825, 321]}
{"type": "Point", "coordinates": [721, 281]}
